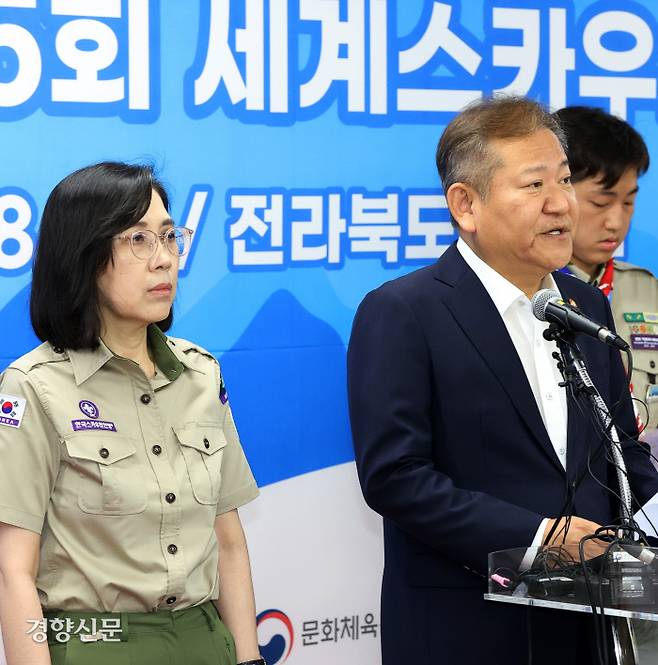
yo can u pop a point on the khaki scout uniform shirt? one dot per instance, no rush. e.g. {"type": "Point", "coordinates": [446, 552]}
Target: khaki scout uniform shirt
{"type": "Point", "coordinates": [121, 475]}
{"type": "Point", "coordinates": [635, 290]}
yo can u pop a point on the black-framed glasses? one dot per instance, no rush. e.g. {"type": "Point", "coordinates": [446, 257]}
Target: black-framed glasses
{"type": "Point", "coordinates": [143, 244]}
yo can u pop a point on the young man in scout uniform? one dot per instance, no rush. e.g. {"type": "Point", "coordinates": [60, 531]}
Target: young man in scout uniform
{"type": "Point", "coordinates": [606, 157]}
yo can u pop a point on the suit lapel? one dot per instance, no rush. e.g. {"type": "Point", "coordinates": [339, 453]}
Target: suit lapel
{"type": "Point", "coordinates": [477, 316]}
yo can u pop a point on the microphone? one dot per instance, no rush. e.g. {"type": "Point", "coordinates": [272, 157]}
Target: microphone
{"type": "Point", "coordinates": [547, 305]}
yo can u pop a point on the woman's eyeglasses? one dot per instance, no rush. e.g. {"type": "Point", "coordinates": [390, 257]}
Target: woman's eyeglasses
{"type": "Point", "coordinates": [143, 244]}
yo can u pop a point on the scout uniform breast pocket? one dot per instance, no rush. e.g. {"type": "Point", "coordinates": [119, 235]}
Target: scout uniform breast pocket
{"type": "Point", "coordinates": [202, 447]}
{"type": "Point", "coordinates": [108, 478]}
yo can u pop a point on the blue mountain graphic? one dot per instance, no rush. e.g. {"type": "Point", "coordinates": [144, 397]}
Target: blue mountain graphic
{"type": "Point", "coordinates": [286, 381]}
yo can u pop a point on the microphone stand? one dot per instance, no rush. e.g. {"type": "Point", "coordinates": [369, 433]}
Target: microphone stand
{"type": "Point", "coordinates": [577, 380]}
{"type": "Point", "coordinates": [572, 366]}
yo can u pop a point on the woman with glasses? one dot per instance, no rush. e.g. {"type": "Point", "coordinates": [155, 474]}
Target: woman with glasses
{"type": "Point", "coordinates": [122, 470]}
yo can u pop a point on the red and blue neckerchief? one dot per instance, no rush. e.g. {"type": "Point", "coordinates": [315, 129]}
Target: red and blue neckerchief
{"type": "Point", "coordinates": [606, 286]}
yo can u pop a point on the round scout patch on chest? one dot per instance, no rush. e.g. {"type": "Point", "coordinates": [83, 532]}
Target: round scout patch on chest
{"type": "Point", "coordinates": [89, 408]}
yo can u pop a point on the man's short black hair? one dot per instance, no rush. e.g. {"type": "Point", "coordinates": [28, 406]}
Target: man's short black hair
{"type": "Point", "coordinates": [600, 144]}
{"type": "Point", "coordinates": [82, 215]}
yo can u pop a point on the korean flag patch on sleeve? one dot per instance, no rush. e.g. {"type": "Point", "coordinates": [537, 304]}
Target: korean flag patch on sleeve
{"type": "Point", "coordinates": [12, 409]}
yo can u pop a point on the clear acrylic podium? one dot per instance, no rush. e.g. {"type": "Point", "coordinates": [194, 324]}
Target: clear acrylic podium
{"type": "Point", "coordinates": [624, 587]}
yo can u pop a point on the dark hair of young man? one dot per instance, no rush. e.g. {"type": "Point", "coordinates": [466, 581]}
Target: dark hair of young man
{"type": "Point", "coordinates": [600, 144]}
{"type": "Point", "coordinates": [81, 217]}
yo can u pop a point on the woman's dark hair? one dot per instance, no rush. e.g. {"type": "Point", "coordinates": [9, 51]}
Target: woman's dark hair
{"type": "Point", "coordinates": [82, 215]}
{"type": "Point", "coordinates": [601, 145]}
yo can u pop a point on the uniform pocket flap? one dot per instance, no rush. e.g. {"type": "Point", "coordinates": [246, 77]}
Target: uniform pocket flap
{"type": "Point", "coordinates": [104, 450]}
{"type": "Point", "coordinates": [207, 439]}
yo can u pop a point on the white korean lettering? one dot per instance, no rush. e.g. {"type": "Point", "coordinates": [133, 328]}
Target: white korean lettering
{"type": "Point", "coordinates": [15, 217]}
{"type": "Point", "coordinates": [26, 81]}
{"type": "Point", "coordinates": [437, 36]}
{"type": "Point", "coordinates": [270, 224]}
{"type": "Point", "coordinates": [524, 58]}
{"type": "Point", "coordinates": [331, 67]}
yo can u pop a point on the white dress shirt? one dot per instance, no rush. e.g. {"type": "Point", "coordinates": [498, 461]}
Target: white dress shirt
{"type": "Point", "coordinates": [534, 351]}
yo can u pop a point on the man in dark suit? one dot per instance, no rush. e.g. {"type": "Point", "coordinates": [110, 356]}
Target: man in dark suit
{"type": "Point", "coordinates": [464, 441]}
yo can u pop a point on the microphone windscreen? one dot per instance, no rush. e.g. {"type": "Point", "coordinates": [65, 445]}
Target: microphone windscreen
{"type": "Point", "coordinates": [541, 299]}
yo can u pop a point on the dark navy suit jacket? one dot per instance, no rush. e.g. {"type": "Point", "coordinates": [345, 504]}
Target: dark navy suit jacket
{"type": "Point", "coordinates": [452, 451]}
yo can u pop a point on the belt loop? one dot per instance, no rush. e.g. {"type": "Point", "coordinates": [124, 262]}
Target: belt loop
{"type": "Point", "coordinates": [124, 626]}
{"type": "Point", "coordinates": [209, 613]}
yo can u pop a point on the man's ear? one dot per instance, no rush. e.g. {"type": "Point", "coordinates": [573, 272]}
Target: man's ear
{"type": "Point", "coordinates": [460, 197]}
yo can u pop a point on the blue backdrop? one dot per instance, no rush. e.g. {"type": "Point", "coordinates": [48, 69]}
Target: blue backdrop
{"type": "Point", "coordinates": [297, 138]}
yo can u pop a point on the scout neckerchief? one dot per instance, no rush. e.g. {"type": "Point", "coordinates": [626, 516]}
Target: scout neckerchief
{"type": "Point", "coordinates": [605, 283]}
{"type": "Point", "coordinates": [606, 286]}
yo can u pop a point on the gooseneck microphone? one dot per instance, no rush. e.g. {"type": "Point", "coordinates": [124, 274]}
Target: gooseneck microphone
{"type": "Point", "coordinates": [547, 305]}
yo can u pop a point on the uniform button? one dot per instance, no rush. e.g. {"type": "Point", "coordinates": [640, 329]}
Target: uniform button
{"type": "Point", "coordinates": [206, 443]}
{"type": "Point", "coordinates": [58, 349]}
{"type": "Point", "coordinates": [156, 450]}
{"type": "Point", "coordinates": [172, 343]}
{"type": "Point", "coordinates": [104, 453]}
{"type": "Point", "coordinates": [172, 549]}
{"type": "Point", "coordinates": [170, 498]}
{"type": "Point", "coordinates": [171, 600]}
{"type": "Point", "coordinates": [145, 398]}
{"type": "Point", "coordinates": [652, 364]}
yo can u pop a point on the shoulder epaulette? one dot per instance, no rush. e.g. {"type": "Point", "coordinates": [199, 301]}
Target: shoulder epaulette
{"type": "Point", "coordinates": [624, 266]}
{"type": "Point", "coordinates": [187, 347]}
{"type": "Point", "coordinates": [44, 353]}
